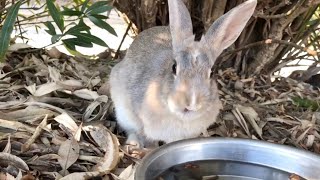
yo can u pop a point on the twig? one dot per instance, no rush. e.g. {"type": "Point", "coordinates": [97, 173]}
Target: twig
{"type": "Point", "coordinates": [34, 8]}
{"type": "Point", "coordinates": [33, 50]}
{"type": "Point", "coordinates": [270, 41]}
{"type": "Point", "coordinates": [20, 28]}
{"type": "Point", "coordinates": [272, 16]}
{"type": "Point", "coordinates": [277, 7]}
{"type": "Point", "coordinates": [123, 37]}
{"type": "Point", "coordinates": [299, 3]}
{"type": "Point", "coordinates": [7, 8]}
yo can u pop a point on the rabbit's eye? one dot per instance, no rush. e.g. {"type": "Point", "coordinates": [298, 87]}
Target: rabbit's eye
{"type": "Point", "coordinates": [174, 68]}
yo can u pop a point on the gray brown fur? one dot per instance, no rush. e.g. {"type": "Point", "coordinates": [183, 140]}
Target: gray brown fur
{"type": "Point", "coordinates": [151, 102]}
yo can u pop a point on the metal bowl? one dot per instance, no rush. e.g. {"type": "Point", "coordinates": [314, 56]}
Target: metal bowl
{"type": "Point", "coordinates": [228, 158]}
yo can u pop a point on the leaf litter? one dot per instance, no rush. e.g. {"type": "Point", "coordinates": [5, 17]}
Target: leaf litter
{"type": "Point", "coordinates": [57, 118]}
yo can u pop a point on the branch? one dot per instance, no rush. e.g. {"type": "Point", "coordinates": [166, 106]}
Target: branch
{"type": "Point", "coordinates": [124, 36]}
{"type": "Point", "coordinates": [270, 41]}
{"type": "Point", "coordinates": [7, 8]}
{"type": "Point", "coordinates": [277, 7]}
{"type": "Point", "coordinates": [295, 7]}
{"type": "Point", "coordinates": [33, 8]}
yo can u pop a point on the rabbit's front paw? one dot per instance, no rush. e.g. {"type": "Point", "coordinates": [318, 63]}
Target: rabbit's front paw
{"type": "Point", "coordinates": [134, 140]}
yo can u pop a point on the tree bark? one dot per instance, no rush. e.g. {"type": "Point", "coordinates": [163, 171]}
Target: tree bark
{"type": "Point", "coordinates": [279, 20]}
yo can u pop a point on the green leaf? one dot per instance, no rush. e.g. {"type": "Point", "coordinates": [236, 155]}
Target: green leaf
{"type": "Point", "coordinates": [69, 46]}
{"type": "Point", "coordinates": [78, 42]}
{"type": "Point", "coordinates": [89, 38]}
{"type": "Point", "coordinates": [69, 12]}
{"type": "Point", "coordinates": [78, 28]}
{"type": "Point", "coordinates": [55, 38]}
{"type": "Point", "coordinates": [84, 5]}
{"type": "Point", "coordinates": [7, 29]}
{"type": "Point", "coordinates": [100, 23]}
{"type": "Point", "coordinates": [51, 30]}
{"type": "Point", "coordinates": [99, 10]}
{"type": "Point", "coordinates": [99, 16]}
{"type": "Point", "coordinates": [56, 15]}
{"type": "Point", "coordinates": [75, 52]}
{"type": "Point", "coordinates": [96, 5]}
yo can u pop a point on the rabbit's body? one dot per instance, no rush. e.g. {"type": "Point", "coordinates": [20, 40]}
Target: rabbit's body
{"type": "Point", "coordinates": [152, 115]}
{"type": "Point", "coordinates": [164, 88]}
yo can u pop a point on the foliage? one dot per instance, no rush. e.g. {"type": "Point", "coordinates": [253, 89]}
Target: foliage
{"type": "Point", "coordinates": [80, 32]}
{"type": "Point", "coordinates": [68, 25]}
{"type": "Point", "coordinates": [306, 103]}
{"type": "Point", "coordinates": [7, 28]}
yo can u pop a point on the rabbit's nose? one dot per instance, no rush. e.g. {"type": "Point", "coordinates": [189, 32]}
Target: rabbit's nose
{"type": "Point", "coordinates": [194, 107]}
{"type": "Point", "coordinates": [192, 104]}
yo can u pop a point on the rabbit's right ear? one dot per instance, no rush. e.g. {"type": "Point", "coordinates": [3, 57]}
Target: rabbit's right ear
{"type": "Point", "coordinates": [226, 29]}
{"type": "Point", "coordinates": [180, 23]}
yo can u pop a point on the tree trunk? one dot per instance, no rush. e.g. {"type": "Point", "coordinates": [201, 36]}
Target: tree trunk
{"type": "Point", "coordinates": [275, 20]}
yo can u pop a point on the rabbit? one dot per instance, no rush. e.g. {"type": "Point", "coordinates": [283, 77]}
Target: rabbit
{"type": "Point", "coordinates": [309, 76]}
{"type": "Point", "coordinates": [164, 88]}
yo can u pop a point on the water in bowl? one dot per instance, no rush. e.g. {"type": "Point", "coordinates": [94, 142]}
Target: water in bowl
{"type": "Point", "coordinates": [222, 170]}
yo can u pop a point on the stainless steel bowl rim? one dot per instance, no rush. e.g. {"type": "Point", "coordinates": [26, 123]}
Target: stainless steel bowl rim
{"type": "Point", "coordinates": [258, 145]}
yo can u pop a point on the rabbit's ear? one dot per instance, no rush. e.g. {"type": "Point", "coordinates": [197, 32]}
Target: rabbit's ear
{"type": "Point", "coordinates": [180, 23]}
{"type": "Point", "coordinates": [311, 71]}
{"type": "Point", "coordinates": [226, 29]}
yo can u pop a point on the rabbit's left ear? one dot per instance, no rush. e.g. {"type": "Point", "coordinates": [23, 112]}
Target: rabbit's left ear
{"type": "Point", "coordinates": [180, 23]}
{"type": "Point", "coordinates": [226, 29]}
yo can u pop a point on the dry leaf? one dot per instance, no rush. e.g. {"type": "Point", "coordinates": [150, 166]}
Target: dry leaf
{"type": "Point", "coordinates": [252, 116]}
{"type": "Point", "coordinates": [95, 81]}
{"type": "Point", "coordinates": [13, 160]}
{"type": "Point", "coordinates": [25, 147]}
{"type": "Point", "coordinates": [48, 157]}
{"type": "Point", "coordinates": [91, 111]}
{"type": "Point", "coordinates": [71, 84]}
{"type": "Point", "coordinates": [47, 88]}
{"type": "Point", "coordinates": [93, 159]}
{"type": "Point", "coordinates": [17, 46]}
{"type": "Point", "coordinates": [54, 53]}
{"type": "Point", "coordinates": [77, 135]}
{"type": "Point", "coordinates": [302, 136]}
{"type": "Point", "coordinates": [310, 140]}
{"type": "Point", "coordinates": [109, 143]}
{"type": "Point", "coordinates": [67, 121]}
{"type": "Point", "coordinates": [7, 149]}
{"type": "Point", "coordinates": [41, 66]}
{"type": "Point", "coordinates": [54, 74]}
{"type": "Point", "coordinates": [29, 113]}
{"type": "Point", "coordinates": [128, 173]}
{"type": "Point", "coordinates": [16, 125]}
{"type": "Point", "coordinates": [241, 120]}
{"type": "Point", "coordinates": [69, 153]}
{"type": "Point", "coordinates": [86, 94]}
{"type": "Point", "coordinates": [81, 175]}
{"type": "Point", "coordinates": [31, 88]}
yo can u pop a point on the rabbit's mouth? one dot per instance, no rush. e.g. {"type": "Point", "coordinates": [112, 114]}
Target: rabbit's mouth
{"type": "Point", "coordinates": [187, 114]}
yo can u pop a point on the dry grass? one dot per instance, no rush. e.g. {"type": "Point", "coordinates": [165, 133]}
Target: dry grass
{"type": "Point", "coordinates": [56, 118]}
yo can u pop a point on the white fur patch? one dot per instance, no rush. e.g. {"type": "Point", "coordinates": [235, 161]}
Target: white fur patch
{"type": "Point", "coordinates": [171, 105]}
{"type": "Point", "coordinates": [125, 118]}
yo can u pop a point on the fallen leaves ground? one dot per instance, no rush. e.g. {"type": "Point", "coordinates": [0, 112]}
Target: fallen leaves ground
{"type": "Point", "coordinates": [56, 117]}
